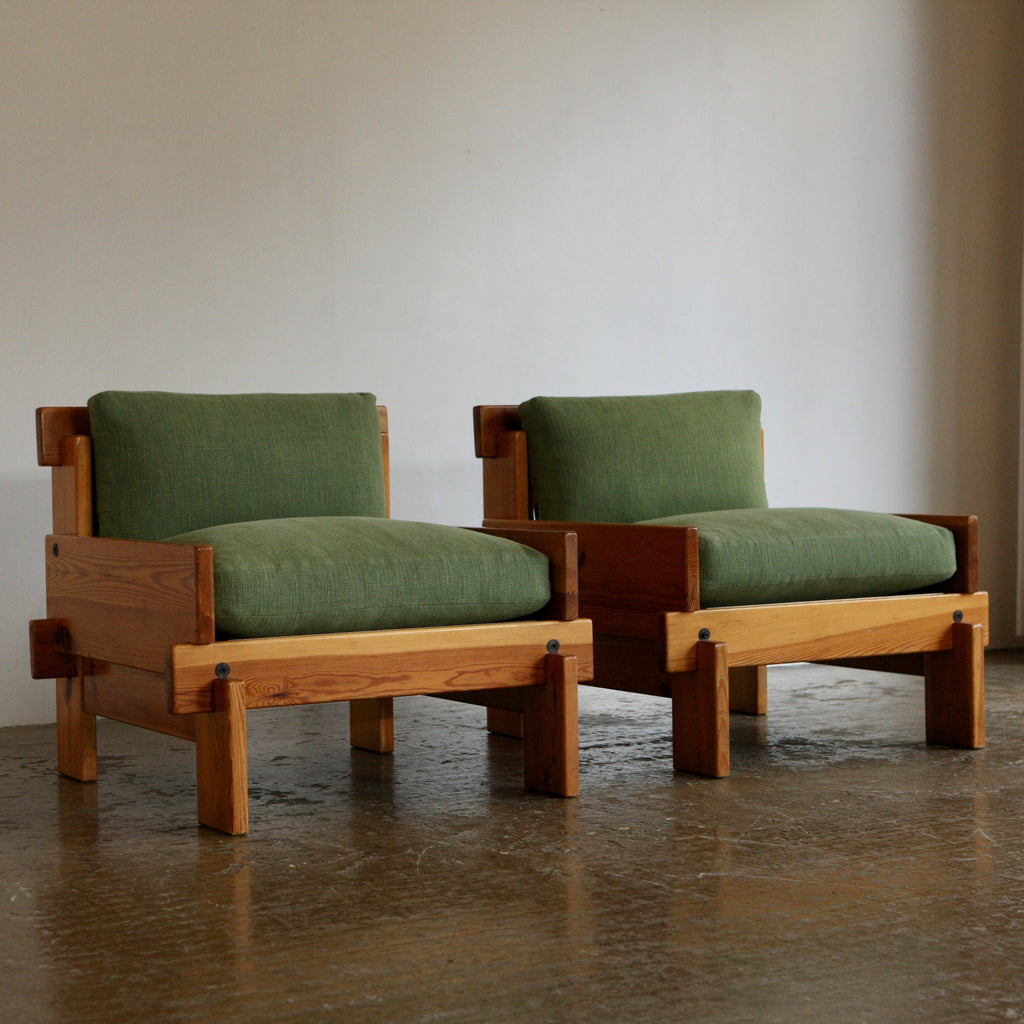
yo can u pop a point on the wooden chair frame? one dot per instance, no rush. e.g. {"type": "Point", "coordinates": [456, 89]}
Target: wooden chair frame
{"type": "Point", "coordinates": [640, 585]}
{"type": "Point", "coordinates": [129, 635]}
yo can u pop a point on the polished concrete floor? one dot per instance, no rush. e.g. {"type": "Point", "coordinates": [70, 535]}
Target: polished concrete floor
{"type": "Point", "coordinates": [845, 872]}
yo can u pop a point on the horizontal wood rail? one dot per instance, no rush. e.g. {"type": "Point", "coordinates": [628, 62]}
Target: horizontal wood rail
{"type": "Point", "coordinates": [821, 630]}
{"type": "Point", "coordinates": [351, 666]}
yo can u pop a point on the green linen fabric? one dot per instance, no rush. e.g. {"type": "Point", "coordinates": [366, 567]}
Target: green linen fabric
{"type": "Point", "coordinates": [165, 463]}
{"type": "Point", "coordinates": [764, 556]}
{"type": "Point", "coordinates": [282, 577]}
{"type": "Point", "coordinates": [623, 459]}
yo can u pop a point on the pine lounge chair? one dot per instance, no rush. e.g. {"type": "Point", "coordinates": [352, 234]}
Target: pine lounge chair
{"type": "Point", "coordinates": [695, 585]}
{"type": "Point", "coordinates": [215, 554]}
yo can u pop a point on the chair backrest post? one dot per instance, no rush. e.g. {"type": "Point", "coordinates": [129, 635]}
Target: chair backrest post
{"type": "Point", "coordinates": [63, 443]}
{"type": "Point", "coordinates": [501, 444]}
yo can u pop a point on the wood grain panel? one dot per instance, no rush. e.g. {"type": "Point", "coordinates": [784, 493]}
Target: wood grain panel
{"type": "Point", "coordinates": [630, 572]}
{"type": "Point", "coordinates": [127, 601]}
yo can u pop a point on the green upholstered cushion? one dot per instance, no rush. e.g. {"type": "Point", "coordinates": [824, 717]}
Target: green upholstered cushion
{"type": "Point", "coordinates": [624, 459]}
{"type": "Point", "coordinates": [165, 463]}
{"type": "Point", "coordinates": [279, 577]}
{"type": "Point", "coordinates": [764, 556]}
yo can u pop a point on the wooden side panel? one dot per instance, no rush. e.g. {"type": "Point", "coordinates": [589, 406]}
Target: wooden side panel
{"type": "Point", "coordinates": [127, 601]}
{"type": "Point", "coordinates": [393, 663]}
{"type": "Point", "coordinates": [818, 631]}
{"type": "Point", "coordinates": [631, 573]}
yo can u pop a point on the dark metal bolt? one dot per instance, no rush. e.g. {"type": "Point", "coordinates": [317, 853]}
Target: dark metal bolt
{"type": "Point", "coordinates": [553, 646]}
{"type": "Point", "coordinates": [56, 549]}
{"type": "Point", "coordinates": [704, 634]}
{"type": "Point", "coordinates": [223, 670]}
{"type": "Point", "coordinates": [958, 616]}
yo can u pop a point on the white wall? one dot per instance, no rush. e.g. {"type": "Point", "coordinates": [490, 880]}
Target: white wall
{"type": "Point", "coordinates": [450, 202]}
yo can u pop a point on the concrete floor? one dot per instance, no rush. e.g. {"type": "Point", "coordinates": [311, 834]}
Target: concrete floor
{"type": "Point", "coordinates": [845, 872]}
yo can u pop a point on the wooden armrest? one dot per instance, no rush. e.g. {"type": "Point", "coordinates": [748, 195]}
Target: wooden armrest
{"type": "Point", "coordinates": [965, 538]}
{"type": "Point", "coordinates": [560, 546]}
{"type": "Point", "coordinates": [630, 573]}
{"type": "Point", "coordinates": [127, 601]}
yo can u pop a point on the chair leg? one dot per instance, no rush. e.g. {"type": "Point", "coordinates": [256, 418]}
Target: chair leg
{"type": "Point", "coordinates": [700, 714]}
{"type": "Point", "coordinates": [222, 769]}
{"type": "Point", "coordinates": [505, 723]}
{"type": "Point", "coordinates": [748, 689]}
{"type": "Point", "coordinates": [551, 745]}
{"type": "Point", "coordinates": [954, 687]}
{"type": "Point", "coordinates": [76, 732]}
{"type": "Point", "coordinates": [371, 724]}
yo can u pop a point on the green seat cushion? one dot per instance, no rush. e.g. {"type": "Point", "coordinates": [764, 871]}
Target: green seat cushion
{"type": "Point", "coordinates": [281, 577]}
{"type": "Point", "coordinates": [165, 463]}
{"type": "Point", "coordinates": [624, 459]}
{"type": "Point", "coordinates": [765, 556]}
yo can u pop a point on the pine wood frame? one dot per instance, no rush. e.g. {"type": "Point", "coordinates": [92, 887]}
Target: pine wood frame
{"type": "Point", "coordinates": [130, 635]}
{"type": "Point", "coordinates": [641, 587]}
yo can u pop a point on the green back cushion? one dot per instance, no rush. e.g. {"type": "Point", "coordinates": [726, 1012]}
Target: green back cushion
{"type": "Point", "coordinates": [764, 556]}
{"type": "Point", "coordinates": [280, 577]}
{"type": "Point", "coordinates": [166, 463]}
{"type": "Point", "coordinates": [623, 459]}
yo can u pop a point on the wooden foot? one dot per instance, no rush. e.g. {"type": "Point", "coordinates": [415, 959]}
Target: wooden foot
{"type": "Point", "coordinates": [222, 769]}
{"type": "Point", "coordinates": [371, 724]}
{"type": "Point", "coordinates": [700, 714]}
{"type": "Point", "coordinates": [954, 687]}
{"type": "Point", "coordinates": [76, 732]}
{"type": "Point", "coordinates": [748, 689]}
{"type": "Point", "coordinates": [505, 723]}
{"type": "Point", "coordinates": [551, 746]}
